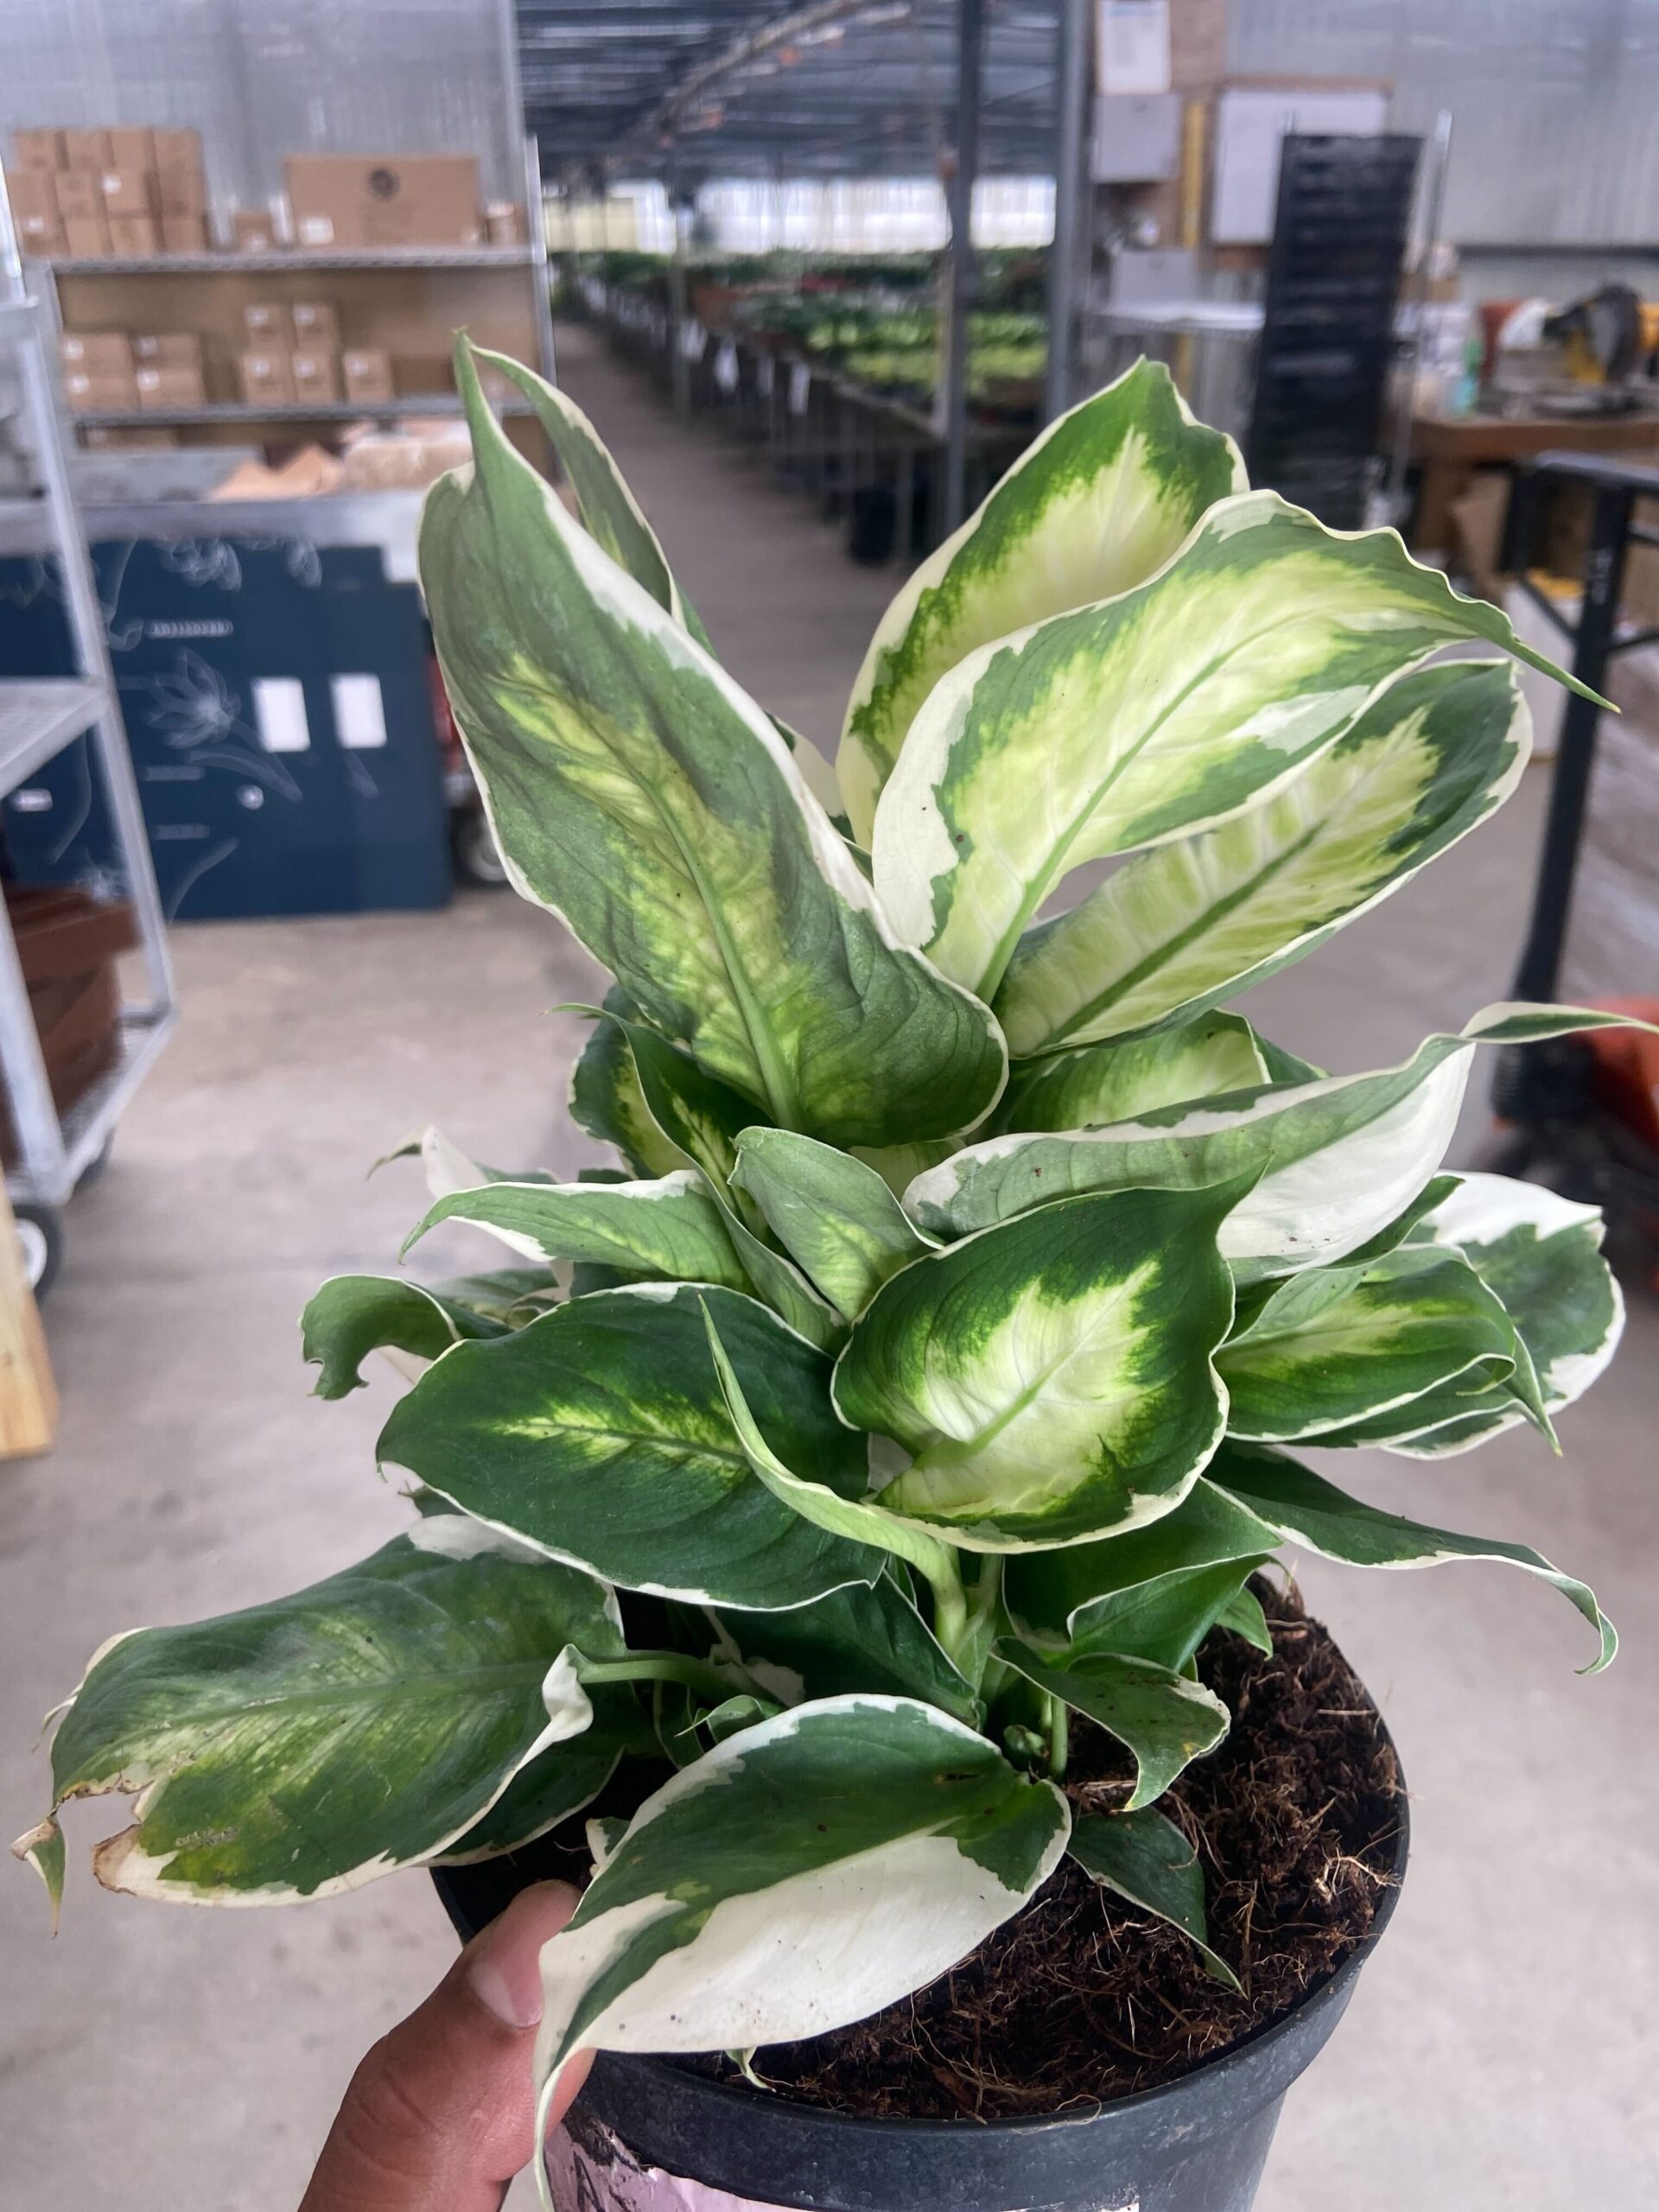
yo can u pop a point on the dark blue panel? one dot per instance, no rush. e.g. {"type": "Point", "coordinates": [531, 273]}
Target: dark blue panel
{"type": "Point", "coordinates": [228, 653]}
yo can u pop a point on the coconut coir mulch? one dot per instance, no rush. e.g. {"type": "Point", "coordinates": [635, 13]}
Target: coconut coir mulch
{"type": "Point", "coordinates": [1079, 1997]}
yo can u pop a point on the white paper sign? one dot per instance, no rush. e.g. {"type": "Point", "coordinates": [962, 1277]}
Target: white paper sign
{"type": "Point", "coordinates": [1132, 46]}
{"type": "Point", "coordinates": [800, 387]}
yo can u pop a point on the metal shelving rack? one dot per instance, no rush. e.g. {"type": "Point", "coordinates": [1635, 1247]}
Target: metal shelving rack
{"type": "Point", "coordinates": [38, 718]}
{"type": "Point", "coordinates": [321, 411]}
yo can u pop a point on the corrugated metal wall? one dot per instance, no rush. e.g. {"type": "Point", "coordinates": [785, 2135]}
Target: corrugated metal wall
{"type": "Point", "coordinates": [1554, 102]}
{"type": "Point", "coordinates": [260, 78]}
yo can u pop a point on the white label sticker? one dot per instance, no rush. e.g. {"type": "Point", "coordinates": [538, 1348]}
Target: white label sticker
{"type": "Point", "coordinates": [279, 710]}
{"type": "Point", "coordinates": [316, 230]}
{"type": "Point", "coordinates": [359, 712]}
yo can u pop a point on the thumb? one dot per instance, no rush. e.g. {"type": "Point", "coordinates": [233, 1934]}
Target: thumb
{"type": "Point", "coordinates": [441, 2114]}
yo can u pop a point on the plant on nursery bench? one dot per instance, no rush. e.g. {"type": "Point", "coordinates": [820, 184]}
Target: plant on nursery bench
{"type": "Point", "coordinates": [922, 1378]}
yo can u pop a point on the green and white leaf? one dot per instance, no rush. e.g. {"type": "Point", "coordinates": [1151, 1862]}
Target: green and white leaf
{"type": "Point", "coordinates": [1052, 1378]}
{"type": "Point", "coordinates": [307, 1746]}
{"type": "Point", "coordinates": [636, 791]}
{"type": "Point", "coordinates": [1541, 1255]}
{"type": "Point", "coordinates": [1152, 716]}
{"type": "Point", "coordinates": [509, 1295]}
{"type": "Point", "coordinates": [1416, 1321]}
{"type": "Point", "coordinates": [354, 1315]}
{"type": "Point", "coordinates": [1165, 1620]}
{"type": "Point", "coordinates": [600, 1435]}
{"type": "Point", "coordinates": [605, 1097]}
{"type": "Point", "coordinates": [1338, 1159]}
{"type": "Point", "coordinates": [833, 1215]}
{"type": "Point", "coordinates": [701, 1121]}
{"type": "Point", "coordinates": [1074, 1595]}
{"type": "Point", "coordinates": [1146, 1859]}
{"type": "Point", "coordinates": [1099, 1084]}
{"type": "Point", "coordinates": [1092, 507]}
{"type": "Point", "coordinates": [1185, 924]}
{"type": "Point", "coordinates": [800, 1876]}
{"type": "Point", "coordinates": [609, 512]}
{"type": "Point", "coordinates": [1163, 1719]}
{"type": "Point", "coordinates": [672, 1229]}
{"type": "Point", "coordinates": [1307, 1510]}
{"type": "Point", "coordinates": [1273, 1308]}
{"type": "Point", "coordinates": [858, 1638]}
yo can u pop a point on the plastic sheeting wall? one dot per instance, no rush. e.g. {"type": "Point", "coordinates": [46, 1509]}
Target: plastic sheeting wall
{"type": "Point", "coordinates": [1553, 101]}
{"type": "Point", "coordinates": [260, 78]}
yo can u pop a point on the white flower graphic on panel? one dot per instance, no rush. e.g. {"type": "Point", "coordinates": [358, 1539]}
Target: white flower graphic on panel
{"type": "Point", "coordinates": [200, 718]}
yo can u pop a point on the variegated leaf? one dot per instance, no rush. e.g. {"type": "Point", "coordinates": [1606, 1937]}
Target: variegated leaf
{"type": "Point", "coordinates": [308, 1745]}
{"type": "Point", "coordinates": [609, 512]}
{"type": "Point", "coordinates": [1307, 1510]}
{"type": "Point", "coordinates": [1150, 716]}
{"type": "Point", "coordinates": [509, 1295]}
{"type": "Point", "coordinates": [1102, 1084]}
{"type": "Point", "coordinates": [671, 1230]}
{"type": "Point", "coordinates": [1416, 1321]}
{"type": "Point", "coordinates": [1091, 508]}
{"type": "Point", "coordinates": [1185, 924]}
{"type": "Point", "coordinates": [354, 1315]}
{"type": "Point", "coordinates": [1541, 1254]}
{"type": "Point", "coordinates": [858, 1638]}
{"type": "Point", "coordinates": [802, 1874]}
{"type": "Point", "coordinates": [701, 1121]}
{"type": "Point", "coordinates": [1146, 1859]}
{"type": "Point", "coordinates": [606, 1099]}
{"type": "Point", "coordinates": [635, 790]}
{"type": "Point", "coordinates": [1165, 1720]}
{"type": "Point", "coordinates": [1338, 1157]}
{"type": "Point", "coordinates": [1273, 1308]}
{"type": "Point", "coordinates": [1076, 1595]}
{"type": "Point", "coordinates": [1052, 1376]}
{"type": "Point", "coordinates": [835, 1216]}
{"type": "Point", "coordinates": [600, 1435]}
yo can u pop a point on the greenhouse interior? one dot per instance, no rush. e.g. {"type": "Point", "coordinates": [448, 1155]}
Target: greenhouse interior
{"type": "Point", "coordinates": [825, 632]}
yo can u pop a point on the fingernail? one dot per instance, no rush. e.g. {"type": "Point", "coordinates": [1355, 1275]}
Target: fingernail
{"type": "Point", "coordinates": [505, 1972]}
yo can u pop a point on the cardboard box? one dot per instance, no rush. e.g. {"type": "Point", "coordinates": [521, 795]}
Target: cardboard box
{"type": "Point", "coordinates": [164, 387]}
{"type": "Point", "coordinates": [86, 149]}
{"type": "Point", "coordinates": [183, 234]}
{"type": "Point", "coordinates": [167, 349]}
{"type": "Point", "coordinates": [37, 150]}
{"type": "Point", "coordinates": [135, 236]}
{"type": "Point", "coordinates": [176, 149]}
{"type": "Point", "coordinates": [316, 326]}
{"type": "Point", "coordinates": [86, 237]}
{"type": "Point", "coordinates": [316, 376]}
{"type": "Point", "coordinates": [96, 353]}
{"type": "Point", "coordinates": [269, 328]}
{"type": "Point", "coordinates": [356, 202]}
{"type": "Point", "coordinates": [365, 371]}
{"type": "Point", "coordinates": [180, 190]}
{"type": "Point", "coordinates": [132, 146]}
{"type": "Point", "coordinates": [78, 194]}
{"type": "Point", "coordinates": [34, 210]}
{"type": "Point", "coordinates": [504, 220]}
{"type": "Point", "coordinates": [265, 378]}
{"type": "Point", "coordinates": [252, 230]}
{"type": "Point", "coordinates": [127, 191]}
{"type": "Point", "coordinates": [95, 393]}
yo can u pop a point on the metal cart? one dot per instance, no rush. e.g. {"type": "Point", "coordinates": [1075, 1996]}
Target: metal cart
{"type": "Point", "coordinates": [37, 718]}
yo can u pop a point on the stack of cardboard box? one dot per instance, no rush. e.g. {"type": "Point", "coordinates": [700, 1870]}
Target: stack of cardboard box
{"type": "Point", "coordinates": [109, 371]}
{"type": "Point", "coordinates": [294, 358]}
{"type": "Point", "coordinates": [128, 191]}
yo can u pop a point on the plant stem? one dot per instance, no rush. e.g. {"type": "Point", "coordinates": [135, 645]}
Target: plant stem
{"type": "Point", "coordinates": [950, 1623]}
{"type": "Point", "coordinates": [656, 1667]}
{"type": "Point", "coordinates": [1058, 1735]}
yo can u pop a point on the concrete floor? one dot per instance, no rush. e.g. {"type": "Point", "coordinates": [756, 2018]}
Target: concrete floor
{"type": "Point", "coordinates": [1503, 2050]}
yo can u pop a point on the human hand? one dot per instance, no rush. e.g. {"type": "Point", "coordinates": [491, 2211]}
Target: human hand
{"type": "Point", "coordinates": [441, 2114]}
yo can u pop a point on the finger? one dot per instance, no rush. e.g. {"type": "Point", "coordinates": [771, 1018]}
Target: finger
{"type": "Point", "coordinates": [441, 2114]}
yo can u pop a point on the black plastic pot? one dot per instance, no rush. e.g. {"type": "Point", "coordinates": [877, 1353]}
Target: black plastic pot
{"type": "Point", "coordinates": [647, 2135]}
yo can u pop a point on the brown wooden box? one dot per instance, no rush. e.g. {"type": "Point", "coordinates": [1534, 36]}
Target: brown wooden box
{"type": "Point", "coordinates": [68, 946]}
{"type": "Point", "coordinates": [37, 150]}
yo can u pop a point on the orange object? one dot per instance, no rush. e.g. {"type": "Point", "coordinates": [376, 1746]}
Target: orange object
{"type": "Point", "coordinates": [1627, 1068]}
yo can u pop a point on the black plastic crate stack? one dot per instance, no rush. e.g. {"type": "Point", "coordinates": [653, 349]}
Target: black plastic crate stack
{"type": "Point", "coordinates": [1328, 335]}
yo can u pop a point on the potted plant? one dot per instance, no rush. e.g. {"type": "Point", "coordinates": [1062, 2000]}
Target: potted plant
{"type": "Point", "coordinates": [854, 1500]}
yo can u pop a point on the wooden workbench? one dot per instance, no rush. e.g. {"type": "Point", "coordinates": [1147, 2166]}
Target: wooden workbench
{"type": "Point", "coordinates": [1450, 448]}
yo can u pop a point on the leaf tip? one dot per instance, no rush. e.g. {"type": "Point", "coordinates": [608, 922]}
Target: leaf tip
{"type": "Point", "coordinates": [42, 1849]}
